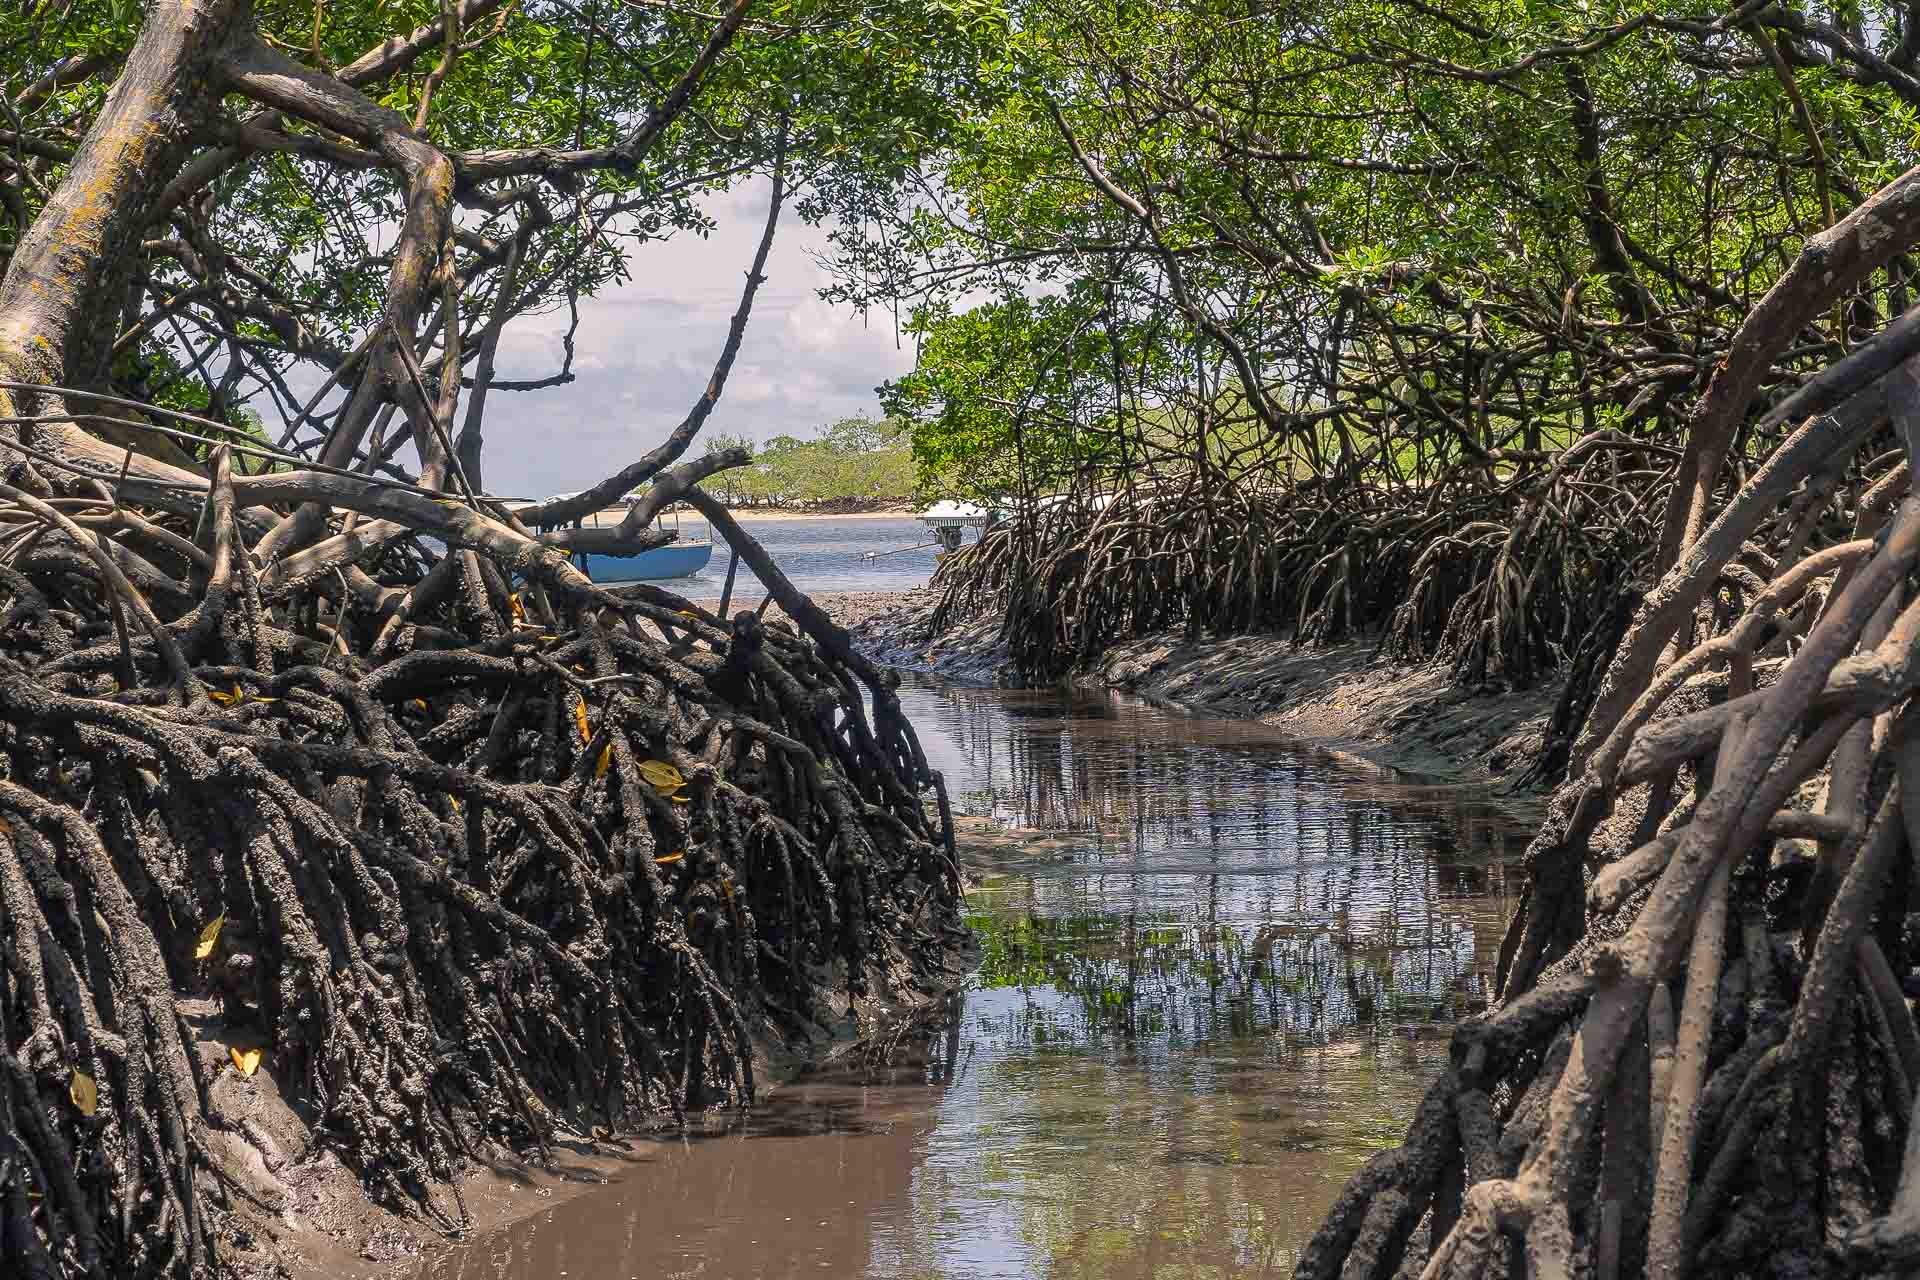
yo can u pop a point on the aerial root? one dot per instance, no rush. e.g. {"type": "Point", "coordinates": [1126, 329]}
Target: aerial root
{"type": "Point", "coordinates": [464, 876]}
{"type": "Point", "coordinates": [1723, 1081]}
{"type": "Point", "coordinates": [1506, 579]}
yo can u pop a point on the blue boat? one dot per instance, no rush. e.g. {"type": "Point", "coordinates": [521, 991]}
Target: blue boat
{"type": "Point", "coordinates": [675, 560]}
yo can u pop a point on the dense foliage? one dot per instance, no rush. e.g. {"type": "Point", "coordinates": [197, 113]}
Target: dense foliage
{"type": "Point", "coordinates": [855, 462]}
{"type": "Point", "coordinates": [341, 819]}
{"type": "Point", "coordinates": [272, 251]}
{"type": "Point", "coordinates": [1387, 262]}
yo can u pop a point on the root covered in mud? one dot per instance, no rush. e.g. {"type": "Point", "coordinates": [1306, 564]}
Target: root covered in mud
{"type": "Point", "coordinates": [1506, 579]}
{"type": "Point", "coordinates": [1704, 1062]}
{"type": "Point", "coordinates": [472, 849]}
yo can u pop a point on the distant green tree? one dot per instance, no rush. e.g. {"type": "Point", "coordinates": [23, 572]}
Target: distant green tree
{"type": "Point", "coordinates": [859, 458]}
{"type": "Point", "coordinates": [730, 486]}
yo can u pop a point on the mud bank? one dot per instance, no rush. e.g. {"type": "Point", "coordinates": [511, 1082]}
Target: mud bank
{"type": "Point", "coordinates": [1349, 698]}
{"type": "Point", "coordinates": [895, 629]}
{"type": "Point", "coordinates": [324, 1228]}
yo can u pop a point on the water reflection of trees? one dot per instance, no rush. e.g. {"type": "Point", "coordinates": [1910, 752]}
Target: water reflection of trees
{"type": "Point", "coordinates": [1272, 888]}
{"type": "Point", "coordinates": [1122, 769]}
{"type": "Point", "coordinates": [1182, 1096]}
{"type": "Point", "coordinates": [1168, 986]}
{"type": "Point", "coordinates": [1126, 1158]}
{"type": "Point", "coordinates": [1190, 1031]}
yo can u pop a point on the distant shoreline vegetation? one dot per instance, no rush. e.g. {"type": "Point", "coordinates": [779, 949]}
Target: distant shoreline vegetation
{"type": "Point", "coordinates": [831, 507]}
{"type": "Point", "coordinates": [855, 465]}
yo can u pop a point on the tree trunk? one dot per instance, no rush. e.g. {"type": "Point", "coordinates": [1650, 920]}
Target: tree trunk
{"type": "Point", "coordinates": [63, 289]}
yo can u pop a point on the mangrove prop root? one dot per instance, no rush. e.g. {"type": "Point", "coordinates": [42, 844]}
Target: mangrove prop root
{"type": "Point", "coordinates": [1703, 1063]}
{"type": "Point", "coordinates": [1506, 579]}
{"type": "Point", "coordinates": [462, 864]}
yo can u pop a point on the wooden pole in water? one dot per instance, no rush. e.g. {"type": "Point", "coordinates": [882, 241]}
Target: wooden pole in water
{"type": "Point", "coordinates": [726, 592]}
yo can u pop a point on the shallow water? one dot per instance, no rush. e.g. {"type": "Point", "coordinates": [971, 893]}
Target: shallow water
{"type": "Point", "coordinates": [1217, 983]}
{"type": "Point", "coordinates": [819, 556]}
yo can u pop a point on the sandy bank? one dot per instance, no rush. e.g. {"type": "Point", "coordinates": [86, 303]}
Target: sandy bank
{"type": "Point", "coordinates": [750, 514]}
{"type": "Point", "coordinates": [695, 526]}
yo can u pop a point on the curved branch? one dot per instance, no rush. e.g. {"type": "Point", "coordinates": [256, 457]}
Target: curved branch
{"type": "Point", "coordinates": [622, 482]}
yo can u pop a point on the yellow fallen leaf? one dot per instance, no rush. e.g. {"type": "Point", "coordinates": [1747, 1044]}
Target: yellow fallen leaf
{"type": "Point", "coordinates": [84, 1092]}
{"type": "Point", "coordinates": [672, 857]}
{"type": "Point", "coordinates": [661, 776]}
{"type": "Point", "coordinates": [245, 1061]}
{"type": "Point", "coordinates": [686, 613]}
{"type": "Point", "coordinates": [226, 699]}
{"type": "Point", "coordinates": [209, 936]}
{"type": "Point", "coordinates": [604, 763]}
{"type": "Point", "coordinates": [580, 720]}
{"type": "Point", "coordinates": [726, 887]}
{"type": "Point", "coordinates": [519, 610]}
{"type": "Point", "coordinates": [455, 802]}
{"type": "Point", "coordinates": [680, 796]}
{"type": "Point", "coordinates": [422, 704]}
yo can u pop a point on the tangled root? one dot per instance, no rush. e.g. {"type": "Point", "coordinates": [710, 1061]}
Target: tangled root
{"type": "Point", "coordinates": [1508, 579]}
{"type": "Point", "coordinates": [1704, 1063]}
{"type": "Point", "coordinates": [472, 864]}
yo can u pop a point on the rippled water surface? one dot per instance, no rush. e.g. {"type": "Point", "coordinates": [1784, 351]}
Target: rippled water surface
{"type": "Point", "coordinates": [1215, 983]}
{"type": "Point", "coordinates": [820, 555]}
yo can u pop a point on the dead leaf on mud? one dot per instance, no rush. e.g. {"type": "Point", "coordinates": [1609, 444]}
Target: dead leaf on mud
{"type": "Point", "coordinates": [208, 937]}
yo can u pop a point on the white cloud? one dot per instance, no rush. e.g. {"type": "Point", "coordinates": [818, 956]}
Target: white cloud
{"type": "Point", "coordinates": [645, 350]}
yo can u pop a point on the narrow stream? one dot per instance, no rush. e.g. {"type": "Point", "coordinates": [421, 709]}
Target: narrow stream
{"type": "Point", "coordinates": [1213, 986]}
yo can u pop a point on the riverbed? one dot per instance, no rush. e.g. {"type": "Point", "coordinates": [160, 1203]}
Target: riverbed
{"type": "Point", "coordinates": [1218, 969]}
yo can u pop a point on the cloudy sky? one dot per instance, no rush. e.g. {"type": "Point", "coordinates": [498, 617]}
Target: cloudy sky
{"type": "Point", "coordinates": [644, 352]}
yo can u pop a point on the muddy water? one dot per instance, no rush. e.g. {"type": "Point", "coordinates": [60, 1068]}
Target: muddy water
{"type": "Point", "coordinates": [1213, 987]}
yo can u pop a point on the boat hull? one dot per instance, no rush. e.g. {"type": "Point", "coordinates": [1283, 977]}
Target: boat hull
{"type": "Point", "coordinates": [675, 560]}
